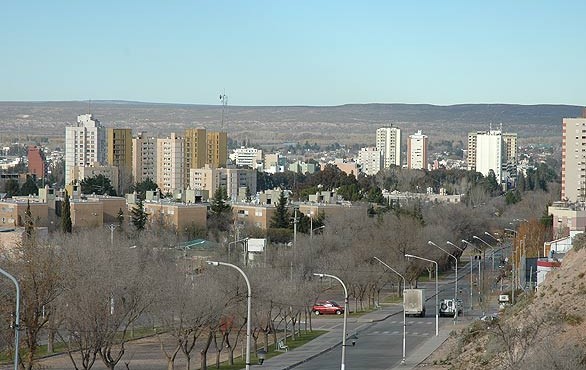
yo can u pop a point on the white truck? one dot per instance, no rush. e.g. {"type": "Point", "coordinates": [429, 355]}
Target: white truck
{"type": "Point", "coordinates": [414, 302]}
{"type": "Point", "coordinates": [448, 307]}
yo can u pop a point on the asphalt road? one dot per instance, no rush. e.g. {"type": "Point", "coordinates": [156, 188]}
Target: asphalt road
{"type": "Point", "coordinates": [380, 344]}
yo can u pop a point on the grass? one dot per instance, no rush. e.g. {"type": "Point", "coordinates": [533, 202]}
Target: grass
{"type": "Point", "coordinates": [292, 344]}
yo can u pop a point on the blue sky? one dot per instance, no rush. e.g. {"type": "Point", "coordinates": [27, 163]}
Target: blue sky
{"type": "Point", "coordinates": [295, 52]}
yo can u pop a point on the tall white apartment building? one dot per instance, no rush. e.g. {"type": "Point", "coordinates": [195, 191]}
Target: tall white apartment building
{"type": "Point", "coordinates": [388, 141]}
{"type": "Point", "coordinates": [235, 180]}
{"type": "Point", "coordinates": [85, 144]}
{"type": "Point", "coordinates": [574, 159]}
{"type": "Point", "coordinates": [491, 150]}
{"type": "Point", "coordinates": [246, 157]}
{"type": "Point", "coordinates": [170, 163]}
{"type": "Point", "coordinates": [144, 158]}
{"type": "Point", "coordinates": [489, 155]}
{"type": "Point", "coordinates": [417, 151]}
{"type": "Point", "coordinates": [370, 160]}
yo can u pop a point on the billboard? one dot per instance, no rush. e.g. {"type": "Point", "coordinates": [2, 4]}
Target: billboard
{"type": "Point", "coordinates": [256, 245]}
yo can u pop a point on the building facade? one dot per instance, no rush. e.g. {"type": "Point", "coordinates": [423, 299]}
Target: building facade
{"type": "Point", "coordinates": [417, 151]}
{"type": "Point", "coordinates": [574, 159]}
{"type": "Point", "coordinates": [119, 148]}
{"type": "Point", "coordinates": [144, 158]}
{"type": "Point", "coordinates": [195, 150]}
{"type": "Point", "coordinates": [370, 160]}
{"type": "Point", "coordinates": [85, 144]}
{"type": "Point", "coordinates": [170, 158]}
{"type": "Point", "coordinates": [217, 152]}
{"type": "Point", "coordinates": [246, 157]}
{"type": "Point", "coordinates": [388, 141]}
{"type": "Point", "coordinates": [237, 181]}
{"type": "Point", "coordinates": [37, 164]}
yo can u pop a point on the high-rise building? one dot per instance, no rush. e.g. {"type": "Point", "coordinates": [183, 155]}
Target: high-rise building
{"type": "Point", "coordinates": [37, 164]}
{"type": "Point", "coordinates": [85, 144]}
{"type": "Point", "coordinates": [370, 160]}
{"type": "Point", "coordinates": [144, 158]}
{"type": "Point", "coordinates": [388, 141]}
{"type": "Point", "coordinates": [170, 156]}
{"type": "Point", "coordinates": [217, 149]}
{"type": "Point", "coordinates": [489, 153]}
{"type": "Point", "coordinates": [574, 159]}
{"type": "Point", "coordinates": [195, 150]}
{"type": "Point", "coordinates": [119, 144]}
{"type": "Point", "coordinates": [488, 150]}
{"type": "Point", "coordinates": [417, 151]}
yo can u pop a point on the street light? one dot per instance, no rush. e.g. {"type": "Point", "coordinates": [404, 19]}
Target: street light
{"type": "Point", "coordinates": [455, 282]}
{"type": "Point", "coordinates": [436, 291]}
{"type": "Point", "coordinates": [479, 270]}
{"type": "Point", "coordinates": [488, 245]}
{"type": "Point", "coordinates": [235, 242]}
{"type": "Point", "coordinates": [317, 228]}
{"type": "Point", "coordinates": [16, 316]}
{"type": "Point", "coordinates": [343, 365]}
{"type": "Point", "coordinates": [189, 246]}
{"type": "Point", "coordinates": [404, 322]}
{"type": "Point", "coordinates": [248, 305]}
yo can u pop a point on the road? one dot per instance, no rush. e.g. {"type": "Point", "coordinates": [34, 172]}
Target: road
{"type": "Point", "coordinates": [380, 344]}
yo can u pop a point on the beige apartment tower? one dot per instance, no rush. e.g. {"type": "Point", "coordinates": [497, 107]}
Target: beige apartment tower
{"type": "Point", "coordinates": [170, 155]}
{"type": "Point", "coordinates": [144, 158]}
{"type": "Point", "coordinates": [195, 150]}
{"type": "Point", "coordinates": [417, 151]}
{"type": "Point", "coordinates": [119, 143]}
{"type": "Point", "coordinates": [574, 159]}
{"type": "Point", "coordinates": [388, 141]}
{"type": "Point", "coordinates": [217, 143]}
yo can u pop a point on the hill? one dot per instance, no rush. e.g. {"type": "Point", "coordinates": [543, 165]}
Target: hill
{"type": "Point", "coordinates": [351, 123]}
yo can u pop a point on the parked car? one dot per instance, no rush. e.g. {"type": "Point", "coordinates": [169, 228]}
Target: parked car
{"type": "Point", "coordinates": [327, 307]}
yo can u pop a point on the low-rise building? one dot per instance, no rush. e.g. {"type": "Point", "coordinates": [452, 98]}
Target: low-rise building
{"type": "Point", "coordinates": [180, 216]}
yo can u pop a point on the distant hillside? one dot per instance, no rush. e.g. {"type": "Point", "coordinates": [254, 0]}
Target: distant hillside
{"type": "Point", "coordinates": [351, 123]}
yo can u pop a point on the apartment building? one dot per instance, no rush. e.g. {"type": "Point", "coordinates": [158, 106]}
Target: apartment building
{"type": "Point", "coordinates": [492, 150]}
{"type": "Point", "coordinates": [574, 159]}
{"type": "Point", "coordinates": [85, 144]}
{"type": "Point", "coordinates": [177, 215]}
{"type": "Point", "coordinates": [370, 160]}
{"type": "Point", "coordinates": [170, 156]}
{"type": "Point", "coordinates": [144, 158]}
{"type": "Point", "coordinates": [119, 148]}
{"type": "Point", "coordinates": [417, 151]}
{"type": "Point", "coordinates": [246, 157]}
{"type": "Point", "coordinates": [37, 164]}
{"type": "Point", "coordinates": [236, 181]}
{"type": "Point", "coordinates": [388, 141]}
{"type": "Point", "coordinates": [217, 152]}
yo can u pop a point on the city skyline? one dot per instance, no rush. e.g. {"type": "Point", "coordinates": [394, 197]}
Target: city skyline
{"type": "Point", "coordinates": [266, 53]}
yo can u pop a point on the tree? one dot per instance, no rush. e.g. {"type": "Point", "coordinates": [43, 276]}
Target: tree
{"type": "Point", "coordinates": [29, 187]}
{"type": "Point", "coordinates": [280, 219]}
{"type": "Point", "coordinates": [11, 187]}
{"type": "Point", "coordinates": [66, 225]}
{"type": "Point", "coordinates": [98, 184]}
{"type": "Point", "coordinates": [220, 210]}
{"type": "Point", "coordinates": [142, 187]}
{"type": "Point", "coordinates": [139, 215]}
{"type": "Point", "coordinates": [29, 226]}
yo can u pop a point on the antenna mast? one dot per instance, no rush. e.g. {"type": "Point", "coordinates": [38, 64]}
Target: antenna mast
{"type": "Point", "coordinates": [224, 100]}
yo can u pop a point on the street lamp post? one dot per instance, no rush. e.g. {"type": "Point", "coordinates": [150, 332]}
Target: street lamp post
{"type": "Point", "coordinates": [16, 316]}
{"type": "Point", "coordinates": [317, 228]}
{"type": "Point", "coordinates": [436, 290]}
{"type": "Point", "coordinates": [343, 365]}
{"type": "Point", "coordinates": [404, 322]}
{"type": "Point", "coordinates": [488, 245]}
{"type": "Point", "coordinates": [248, 305]}
{"type": "Point", "coordinates": [455, 282]}
{"type": "Point", "coordinates": [235, 242]}
{"type": "Point", "coordinates": [471, 268]}
{"type": "Point", "coordinates": [479, 270]}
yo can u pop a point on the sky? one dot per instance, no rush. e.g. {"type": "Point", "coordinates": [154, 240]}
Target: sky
{"type": "Point", "coordinates": [294, 52]}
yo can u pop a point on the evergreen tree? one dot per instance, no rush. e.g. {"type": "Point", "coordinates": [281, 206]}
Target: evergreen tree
{"type": "Point", "coordinates": [98, 184]}
{"type": "Point", "coordinates": [120, 218]}
{"type": "Point", "coordinates": [142, 187]}
{"type": "Point", "coordinates": [28, 222]}
{"type": "Point", "coordinates": [139, 216]}
{"type": "Point", "coordinates": [220, 210]}
{"type": "Point", "coordinates": [29, 187]}
{"type": "Point", "coordinates": [66, 225]}
{"type": "Point", "coordinates": [280, 219]}
{"type": "Point", "coordinates": [11, 187]}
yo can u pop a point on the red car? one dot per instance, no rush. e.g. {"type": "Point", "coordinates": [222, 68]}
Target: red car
{"type": "Point", "coordinates": [327, 307]}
